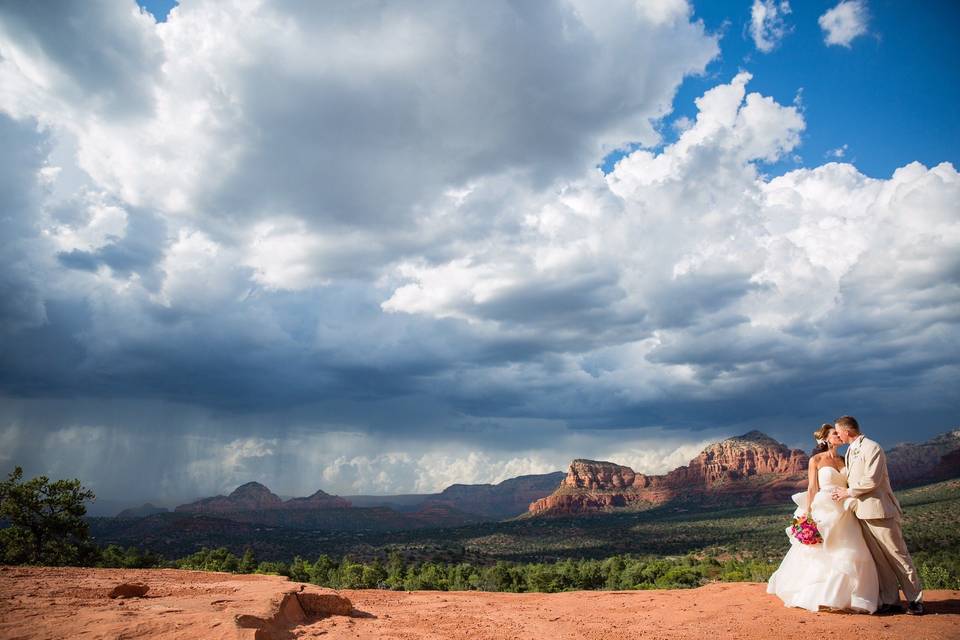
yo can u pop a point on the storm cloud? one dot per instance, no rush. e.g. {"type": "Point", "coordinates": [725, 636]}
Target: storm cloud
{"type": "Point", "coordinates": [367, 249]}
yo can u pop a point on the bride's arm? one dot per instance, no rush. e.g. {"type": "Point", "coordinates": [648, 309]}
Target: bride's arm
{"type": "Point", "coordinates": [813, 485]}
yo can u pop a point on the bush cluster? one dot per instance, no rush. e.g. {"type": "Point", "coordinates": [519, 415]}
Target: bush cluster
{"type": "Point", "coordinates": [397, 573]}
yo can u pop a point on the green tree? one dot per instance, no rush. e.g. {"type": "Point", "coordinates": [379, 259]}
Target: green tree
{"type": "Point", "coordinates": [112, 556]}
{"type": "Point", "coordinates": [351, 574]}
{"type": "Point", "coordinates": [320, 571]}
{"type": "Point", "coordinates": [248, 564]}
{"type": "Point", "coordinates": [374, 575]}
{"type": "Point", "coordinates": [500, 577]}
{"type": "Point", "coordinates": [539, 577]}
{"type": "Point", "coordinates": [300, 570]}
{"type": "Point", "coordinates": [132, 558]}
{"type": "Point", "coordinates": [230, 564]}
{"type": "Point", "coordinates": [46, 521]}
{"type": "Point", "coordinates": [396, 569]}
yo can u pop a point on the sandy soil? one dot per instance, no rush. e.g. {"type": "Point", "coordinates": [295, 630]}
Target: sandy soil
{"type": "Point", "coordinates": [73, 603]}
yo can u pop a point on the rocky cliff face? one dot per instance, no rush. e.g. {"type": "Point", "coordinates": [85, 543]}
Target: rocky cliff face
{"type": "Point", "coordinates": [948, 467]}
{"type": "Point", "coordinates": [932, 460]}
{"type": "Point", "coordinates": [748, 469]}
{"type": "Point", "coordinates": [751, 454]}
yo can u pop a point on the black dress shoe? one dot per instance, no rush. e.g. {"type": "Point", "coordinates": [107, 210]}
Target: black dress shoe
{"type": "Point", "coordinates": [915, 608]}
{"type": "Point", "coordinates": [890, 608]}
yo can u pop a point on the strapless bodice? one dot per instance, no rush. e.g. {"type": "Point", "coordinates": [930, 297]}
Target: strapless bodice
{"type": "Point", "coordinates": [830, 478]}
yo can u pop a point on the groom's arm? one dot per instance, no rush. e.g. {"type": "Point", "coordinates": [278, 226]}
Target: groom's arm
{"type": "Point", "coordinates": [871, 473]}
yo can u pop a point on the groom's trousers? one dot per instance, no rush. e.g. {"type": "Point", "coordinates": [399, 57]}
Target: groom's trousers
{"type": "Point", "coordinates": [894, 566]}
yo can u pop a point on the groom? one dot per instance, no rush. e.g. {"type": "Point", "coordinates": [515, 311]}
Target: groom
{"type": "Point", "coordinates": [879, 514]}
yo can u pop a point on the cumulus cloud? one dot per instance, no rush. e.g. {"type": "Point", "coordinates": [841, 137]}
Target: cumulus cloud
{"type": "Point", "coordinates": [768, 23]}
{"type": "Point", "coordinates": [221, 467]}
{"type": "Point", "coordinates": [838, 152]}
{"type": "Point", "coordinates": [844, 22]}
{"type": "Point", "coordinates": [688, 270]}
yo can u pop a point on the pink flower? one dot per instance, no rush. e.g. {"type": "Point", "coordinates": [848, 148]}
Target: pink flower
{"type": "Point", "coordinates": [805, 530]}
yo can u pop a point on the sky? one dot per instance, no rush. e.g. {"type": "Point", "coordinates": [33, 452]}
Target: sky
{"type": "Point", "coordinates": [378, 248]}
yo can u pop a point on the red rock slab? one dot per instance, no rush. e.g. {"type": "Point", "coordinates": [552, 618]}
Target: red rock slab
{"type": "Point", "coordinates": [129, 590]}
{"type": "Point", "coordinates": [68, 602]}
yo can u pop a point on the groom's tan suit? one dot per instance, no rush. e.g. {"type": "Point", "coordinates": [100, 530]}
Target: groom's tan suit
{"type": "Point", "coordinates": [879, 513]}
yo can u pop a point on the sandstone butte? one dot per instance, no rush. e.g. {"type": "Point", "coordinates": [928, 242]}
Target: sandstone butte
{"type": "Point", "coordinates": [41, 603]}
{"type": "Point", "coordinates": [749, 469]}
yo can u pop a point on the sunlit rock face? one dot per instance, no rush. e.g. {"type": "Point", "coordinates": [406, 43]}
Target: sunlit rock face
{"type": "Point", "coordinates": [748, 469]}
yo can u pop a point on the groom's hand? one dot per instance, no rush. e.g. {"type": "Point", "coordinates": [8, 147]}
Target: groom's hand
{"type": "Point", "coordinates": [840, 493]}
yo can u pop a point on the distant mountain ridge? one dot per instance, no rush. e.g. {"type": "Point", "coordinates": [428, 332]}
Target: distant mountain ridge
{"type": "Point", "coordinates": [142, 511]}
{"type": "Point", "coordinates": [254, 496]}
{"type": "Point", "coordinates": [458, 504]}
{"type": "Point", "coordinates": [505, 499]}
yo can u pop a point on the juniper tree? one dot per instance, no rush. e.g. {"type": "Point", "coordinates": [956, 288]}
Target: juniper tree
{"type": "Point", "coordinates": [45, 521]}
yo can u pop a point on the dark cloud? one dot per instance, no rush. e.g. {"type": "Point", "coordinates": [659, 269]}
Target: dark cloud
{"type": "Point", "coordinates": [21, 156]}
{"type": "Point", "coordinates": [365, 249]}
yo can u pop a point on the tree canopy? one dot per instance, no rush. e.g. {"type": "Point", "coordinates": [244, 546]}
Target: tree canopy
{"type": "Point", "coordinates": [44, 521]}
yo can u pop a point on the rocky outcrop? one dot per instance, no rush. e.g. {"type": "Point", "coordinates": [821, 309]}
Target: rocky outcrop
{"type": "Point", "coordinates": [911, 464]}
{"type": "Point", "coordinates": [294, 608]}
{"type": "Point", "coordinates": [748, 469]}
{"type": "Point", "coordinates": [948, 467]}
{"type": "Point", "coordinates": [253, 496]}
{"type": "Point", "coordinates": [129, 590]}
{"type": "Point", "coordinates": [246, 497]}
{"type": "Point", "coordinates": [751, 454]}
{"type": "Point", "coordinates": [318, 500]}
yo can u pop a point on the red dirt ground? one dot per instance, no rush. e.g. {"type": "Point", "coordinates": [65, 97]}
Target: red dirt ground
{"type": "Point", "coordinates": [44, 602]}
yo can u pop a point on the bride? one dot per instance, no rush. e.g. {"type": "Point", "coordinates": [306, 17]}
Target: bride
{"type": "Point", "coordinates": [838, 573]}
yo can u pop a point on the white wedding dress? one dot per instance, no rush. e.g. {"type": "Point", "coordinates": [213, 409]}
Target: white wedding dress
{"type": "Point", "coordinates": [838, 573]}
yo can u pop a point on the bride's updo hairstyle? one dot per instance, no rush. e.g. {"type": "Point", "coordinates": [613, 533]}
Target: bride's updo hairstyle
{"type": "Point", "coordinates": [820, 435]}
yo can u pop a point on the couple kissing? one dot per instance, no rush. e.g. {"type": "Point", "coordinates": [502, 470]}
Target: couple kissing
{"type": "Point", "coordinates": [859, 561]}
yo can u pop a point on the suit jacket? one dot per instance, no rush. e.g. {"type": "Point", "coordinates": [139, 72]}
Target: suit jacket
{"type": "Point", "coordinates": [869, 481]}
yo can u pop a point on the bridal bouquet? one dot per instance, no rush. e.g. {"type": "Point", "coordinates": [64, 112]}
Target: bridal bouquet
{"type": "Point", "coordinates": [804, 529]}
